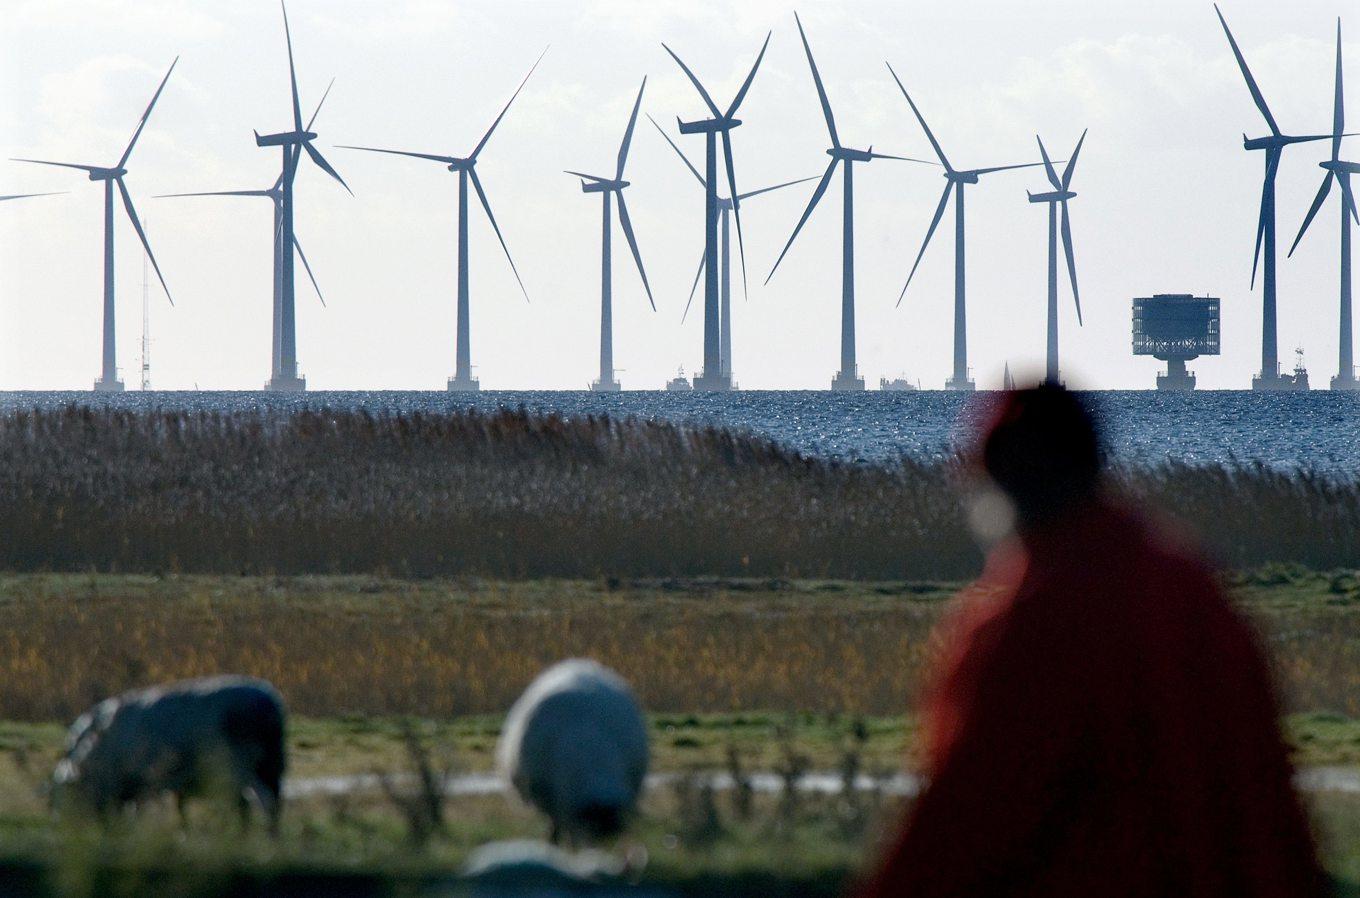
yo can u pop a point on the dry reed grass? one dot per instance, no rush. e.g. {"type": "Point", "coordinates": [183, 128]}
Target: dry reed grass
{"type": "Point", "coordinates": [516, 495]}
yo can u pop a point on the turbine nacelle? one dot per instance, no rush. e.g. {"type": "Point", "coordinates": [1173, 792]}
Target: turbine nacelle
{"type": "Point", "coordinates": [1056, 196]}
{"type": "Point", "coordinates": [962, 177]}
{"type": "Point", "coordinates": [1341, 168]}
{"type": "Point", "coordinates": [283, 139]}
{"type": "Point", "coordinates": [603, 186]}
{"type": "Point", "coordinates": [107, 174]}
{"type": "Point", "coordinates": [457, 165]}
{"type": "Point", "coordinates": [709, 125]}
{"type": "Point", "coordinates": [845, 154]}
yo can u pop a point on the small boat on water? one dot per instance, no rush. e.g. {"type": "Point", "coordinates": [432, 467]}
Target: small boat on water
{"type": "Point", "coordinates": [897, 385]}
{"type": "Point", "coordinates": [679, 383]}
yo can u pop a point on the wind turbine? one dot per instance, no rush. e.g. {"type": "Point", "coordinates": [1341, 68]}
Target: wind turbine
{"type": "Point", "coordinates": [275, 194]}
{"type": "Point", "coordinates": [713, 377]}
{"type": "Point", "coordinates": [1340, 172]}
{"type": "Point", "coordinates": [725, 210]}
{"type": "Point", "coordinates": [111, 176]}
{"type": "Point", "coordinates": [611, 189]}
{"type": "Point", "coordinates": [464, 167]}
{"type": "Point", "coordinates": [848, 377]}
{"type": "Point", "coordinates": [1273, 145]}
{"type": "Point", "coordinates": [955, 180]}
{"type": "Point", "coordinates": [1061, 193]}
{"type": "Point", "coordinates": [292, 144]}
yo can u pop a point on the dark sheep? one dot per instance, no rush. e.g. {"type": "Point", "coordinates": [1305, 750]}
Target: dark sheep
{"type": "Point", "coordinates": [218, 735]}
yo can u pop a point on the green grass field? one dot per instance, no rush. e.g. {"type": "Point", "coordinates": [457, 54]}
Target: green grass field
{"type": "Point", "coordinates": [727, 667]}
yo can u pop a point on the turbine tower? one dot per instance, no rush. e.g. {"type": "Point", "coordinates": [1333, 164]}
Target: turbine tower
{"type": "Point", "coordinates": [1061, 193]}
{"type": "Point", "coordinates": [611, 190]}
{"type": "Point", "coordinates": [1341, 172]}
{"type": "Point", "coordinates": [1273, 145]}
{"type": "Point", "coordinates": [955, 180]}
{"type": "Point", "coordinates": [291, 144]}
{"type": "Point", "coordinates": [462, 380]}
{"type": "Point", "coordinates": [848, 378]}
{"type": "Point", "coordinates": [113, 175]}
{"type": "Point", "coordinates": [275, 195]}
{"type": "Point", "coordinates": [713, 378]}
{"type": "Point", "coordinates": [724, 252]}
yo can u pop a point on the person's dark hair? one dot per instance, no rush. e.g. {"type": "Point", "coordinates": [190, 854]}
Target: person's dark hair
{"type": "Point", "coordinates": [1042, 448]}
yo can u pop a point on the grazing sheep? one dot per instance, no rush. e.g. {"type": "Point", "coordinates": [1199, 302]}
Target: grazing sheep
{"type": "Point", "coordinates": [185, 739]}
{"type": "Point", "coordinates": [575, 747]}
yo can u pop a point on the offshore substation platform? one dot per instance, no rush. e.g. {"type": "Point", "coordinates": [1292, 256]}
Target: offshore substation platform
{"type": "Point", "coordinates": [1176, 328]}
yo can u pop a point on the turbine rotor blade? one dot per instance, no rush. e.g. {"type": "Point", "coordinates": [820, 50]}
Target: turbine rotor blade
{"type": "Point", "coordinates": [1344, 179]}
{"type": "Point", "coordinates": [747, 196]}
{"type": "Point", "coordinates": [487, 136]}
{"type": "Point", "coordinates": [736, 206]}
{"type": "Point", "coordinates": [25, 196]}
{"type": "Point", "coordinates": [695, 81]}
{"type": "Point", "coordinates": [746, 85]}
{"type": "Point", "coordinates": [807, 213]}
{"type": "Point", "coordinates": [821, 89]}
{"type": "Point", "coordinates": [934, 223]}
{"type": "Point", "coordinates": [311, 277]}
{"type": "Point", "coordinates": [1072, 163]}
{"type": "Point", "coordinates": [627, 224]}
{"type": "Point", "coordinates": [678, 152]}
{"type": "Point", "coordinates": [319, 104]}
{"type": "Point", "coordinates": [901, 158]}
{"type": "Point", "coordinates": [1339, 107]}
{"type": "Point", "coordinates": [703, 260]}
{"type": "Point", "coordinates": [269, 194]}
{"type": "Point", "coordinates": [1048, 165]}
{"type": "Point", "coordinates": [628, 134]}
{"type": "Point", "coordinates": [292, 70]}
{"type": "Point", "coordinates": [596, 178]}
{"type": "Point", "coordinates": [1313, 209]}
{"type": "Point", "coordinates": [1246, 73]}
{"type": "Point", "coordinates": [141, 235]}
{"type": "Point", "coordinates": [997, 168]}
{"type": "Point", "coordinates": [486, 207]}
{"type": "Point", "coordinates": [84, 168]}
{"type": "Point", "coordinates": [920, 118]}
{"type": "Point", "coordinates": [447, 160]}
{"type": "Point", "coordinates": [1272, 167]}
{"type": "Point", "coordinates": [146, 115]}
{"type": "Point", "coordinates": [1071, 260]}
{"type": "Point", "coordinates": [324, 165]}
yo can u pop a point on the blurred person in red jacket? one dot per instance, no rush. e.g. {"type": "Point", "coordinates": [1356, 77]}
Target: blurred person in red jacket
{"type": "Point", "coordinates": [1102, 721]}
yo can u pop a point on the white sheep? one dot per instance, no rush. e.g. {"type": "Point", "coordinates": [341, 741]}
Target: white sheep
{"type": "Point", "coordinates": [185, 739]}
{"type": "Point", "coordinates": [575, 747]}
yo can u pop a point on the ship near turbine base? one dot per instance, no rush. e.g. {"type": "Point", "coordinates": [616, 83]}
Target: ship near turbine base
{"type": "Point", "coordinates": [282, 383]}
{"type": "Point", "coordinates": [847, 382]}
{"type": "Point", "coordinates": [108, 386]}
{"type": "Point", "coordinates": [897, 385]}
{"type": "Point", "coordinates": [467, 384]}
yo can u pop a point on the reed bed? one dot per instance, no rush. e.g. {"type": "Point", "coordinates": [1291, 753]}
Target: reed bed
{"type": "Point", "coordinates": [516, 495]}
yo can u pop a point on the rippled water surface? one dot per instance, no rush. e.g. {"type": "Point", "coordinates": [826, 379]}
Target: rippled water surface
{"type": "Point", "coordinates": [1318, 431]}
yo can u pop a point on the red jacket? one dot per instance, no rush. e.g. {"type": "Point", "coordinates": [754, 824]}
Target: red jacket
{"type": "Point", "coordinates": [1103, 725]}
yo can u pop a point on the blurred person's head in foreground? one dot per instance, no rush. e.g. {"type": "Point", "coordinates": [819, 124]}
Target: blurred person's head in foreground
{"type": "Point", "coordinates": [1038, 447]}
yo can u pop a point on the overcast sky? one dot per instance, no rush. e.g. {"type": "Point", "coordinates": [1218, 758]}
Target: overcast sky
{"type": "Point", "coordinates": [1168, 197]}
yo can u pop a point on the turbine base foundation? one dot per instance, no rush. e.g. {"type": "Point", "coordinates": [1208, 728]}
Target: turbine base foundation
{"type": "Point", "coordinates": [963, 385]}
{"type": "Point", "coordinates": [605, 386]}
{"type": "Point", "coordinates": [1346, 382]}
{"type": "Point", "coordinates": [464, 385]}
{"type": "Point", "coordinates": [1176, 378]}
{"type": "Point", "coordinates": [284, 384]}
{"type": "Point", "coordinates": [108, 386]}
{"type": "Point", "coordinates": [847, 382]}
{"type": "Point", "coordinates": [713, 383]}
